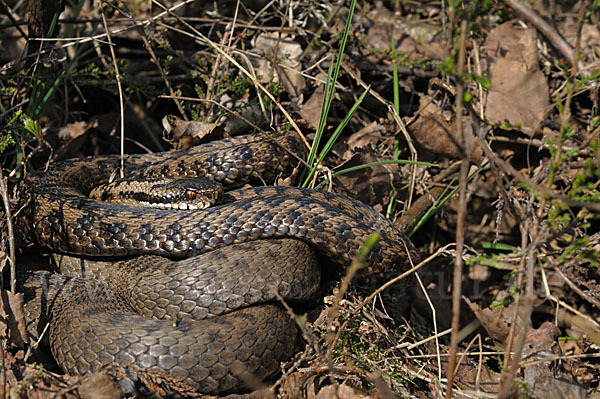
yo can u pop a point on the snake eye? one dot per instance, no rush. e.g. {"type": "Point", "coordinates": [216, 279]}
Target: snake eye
{"type": "Point", "coordinates": [190, 195]}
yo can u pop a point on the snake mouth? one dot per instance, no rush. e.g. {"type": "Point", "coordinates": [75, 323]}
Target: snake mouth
{"type": "Point", "coordinates": [176, 206]}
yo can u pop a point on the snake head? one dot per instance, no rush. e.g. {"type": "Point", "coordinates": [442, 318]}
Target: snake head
{"type": "Point", "coordinates": [164, 193]}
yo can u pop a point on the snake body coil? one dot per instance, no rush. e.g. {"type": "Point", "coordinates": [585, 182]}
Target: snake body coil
{"type": "Point", "coordinates": [92, 327]}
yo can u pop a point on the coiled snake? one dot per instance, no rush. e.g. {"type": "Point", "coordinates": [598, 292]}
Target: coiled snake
{"type": "Point", "coordinates": [244, 334]}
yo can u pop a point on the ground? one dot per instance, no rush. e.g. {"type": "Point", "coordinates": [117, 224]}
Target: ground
{"type": "Point", "coordinates": [472, 125]}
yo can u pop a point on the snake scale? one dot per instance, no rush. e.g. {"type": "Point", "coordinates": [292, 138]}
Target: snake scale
{"type": "Point", "coordinates": [200, 304]}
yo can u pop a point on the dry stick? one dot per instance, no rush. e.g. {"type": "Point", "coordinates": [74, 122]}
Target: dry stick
{"type": "Point", "coordinates": [74, 41]}
{"type": "Point", "coordinates": [462, 211]}
{"type": "Point", "coordinates": [555, 38]}
{"type": "Point", "coordinates": [567, 108]}
{"type": "Point", "coordinates": [575, 288]}
{"type": "Point", "coordinates": [213, 74]}
{"type": "Point", "coordinates": [162, 73]}
{"type": "Point", "coordinates": [11, 234]}
{"type": "Point", "coordinates": [511, 171]}
{"type": "Point", "coordinates": [14, 23]}
{"type": "Point", "coordinates": [118, 77]}
{"type": "Point", "coordinates": [524, 227]}
{"type": "Point", "coordinates": [202, 38]}
{"type": "Point", "coordinates": [528, 301]}
{"type": "Point", "coordinates": [566, 114]}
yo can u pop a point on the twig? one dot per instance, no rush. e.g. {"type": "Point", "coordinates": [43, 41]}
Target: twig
{"type": "Point", "coordinates": [547, 30]}
{"type": "Point", "coordinates": [462, 212]}
{"type": "Point", "coordinates": [162, 72]}
{"type": "Point", "coordinates": [202, 38]}
{"type": "Point", "coordinates": [575, 288]}
{"type": "Point", "coordinates": [401, 129]}
{"type": "Point", "coordinates": [118, 77]}
{"type": "Point", "coordinates": [524, 320]}
{"type": "Point", "coordinates": [571, 79]}
{"type": "Point", "coordinates": [78, 40]}
{"type": "Point", "coordinates": [11, 234]}
{"type": "Point", "coordinates": [13, 19]}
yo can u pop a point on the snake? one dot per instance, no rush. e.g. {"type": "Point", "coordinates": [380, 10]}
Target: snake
{"type": "Point", "coordinates": [194, 293]}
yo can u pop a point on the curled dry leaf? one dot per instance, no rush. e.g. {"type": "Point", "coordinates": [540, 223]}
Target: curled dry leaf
{"type": "Point", "coordinates": [181, 131]}
{"type": "Point", "coordinates": [495, 323]}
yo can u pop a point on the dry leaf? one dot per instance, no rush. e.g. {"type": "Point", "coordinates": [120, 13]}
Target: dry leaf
{"type": "Point", "coordinates": [519, 95]}
{"type": "Point", "coordinates": [287, 69]}
{"type": "Point", "coordinates": [12, 319]}
{"type": "Point", "coordinates": [310, 111]}
{"type": "Point", "coordinates": [434, 133]}
{"type": "Point", "coordinates": [177, 129]}
{"type": "Point", "coordinates": [99, 386]}
{"type": "Point", "coordinates": [340, 391]}
{"type": "Point", "coordinates": [76, 129]}
{"type": "Point", "coordinates": [495, 323]}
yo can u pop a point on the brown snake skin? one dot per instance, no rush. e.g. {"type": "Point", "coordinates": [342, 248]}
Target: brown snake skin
{"type": "Point", "coordinates": [238, 342]}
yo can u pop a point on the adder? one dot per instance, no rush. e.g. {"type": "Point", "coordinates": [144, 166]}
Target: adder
{"type": "Point", "coordinates": [197, 293]}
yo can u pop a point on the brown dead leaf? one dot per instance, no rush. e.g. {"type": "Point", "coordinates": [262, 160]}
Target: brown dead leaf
{"type": "Point", "coordinates": [438, 135]}
{"type": "Point", "coordinates": [415, 39]}
{"type": "Point", "coordinates": [311, 109]}
{"type": "Point", "coordinates": [99, 386]}
{"type": "Point", "coordinates": [540, 378]}
{"type": "Point", "coordinates": [76, 129]}
{"type": "Point", "coordinates": [368, 136]}
{"type": "Point", "coordinates": [287, 69]}
{"type": "Point", "coordinates": [496, 323]}
{"type": "Point", "coordinates": [519, 94]}
{"type": "Point", "coordinates": [541, 340]}
{"type": "Point", "coordinates": [469, 374]}
{"type": "Point", "coordinates": [12, 319]}
{"type": "Point", "coordinates": [180, 131]}
{"type": "Point", "coordinates": [339, 391]}
{"type": "Point", "coordinates": [370, 185]}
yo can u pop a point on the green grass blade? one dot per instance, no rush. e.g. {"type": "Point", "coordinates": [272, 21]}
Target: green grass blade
{"type": "Point", "coordinates": [442, 200]}
{"type": "Point", "coordinates": [329, 92]}
{"type": "Point", "coordinates": [371, 164]}
{"type": "Point", "coordinates": [334, 137]}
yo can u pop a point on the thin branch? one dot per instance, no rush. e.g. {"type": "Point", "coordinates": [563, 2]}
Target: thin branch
{"type": "Point", "coordinates": [11, 234]}
{"type": "Point", "coordinates": [462, 212]}
{"type": "Point", "coordinates": [545, 28]}
{"type": "Point", "coordinates": [118, 77]}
